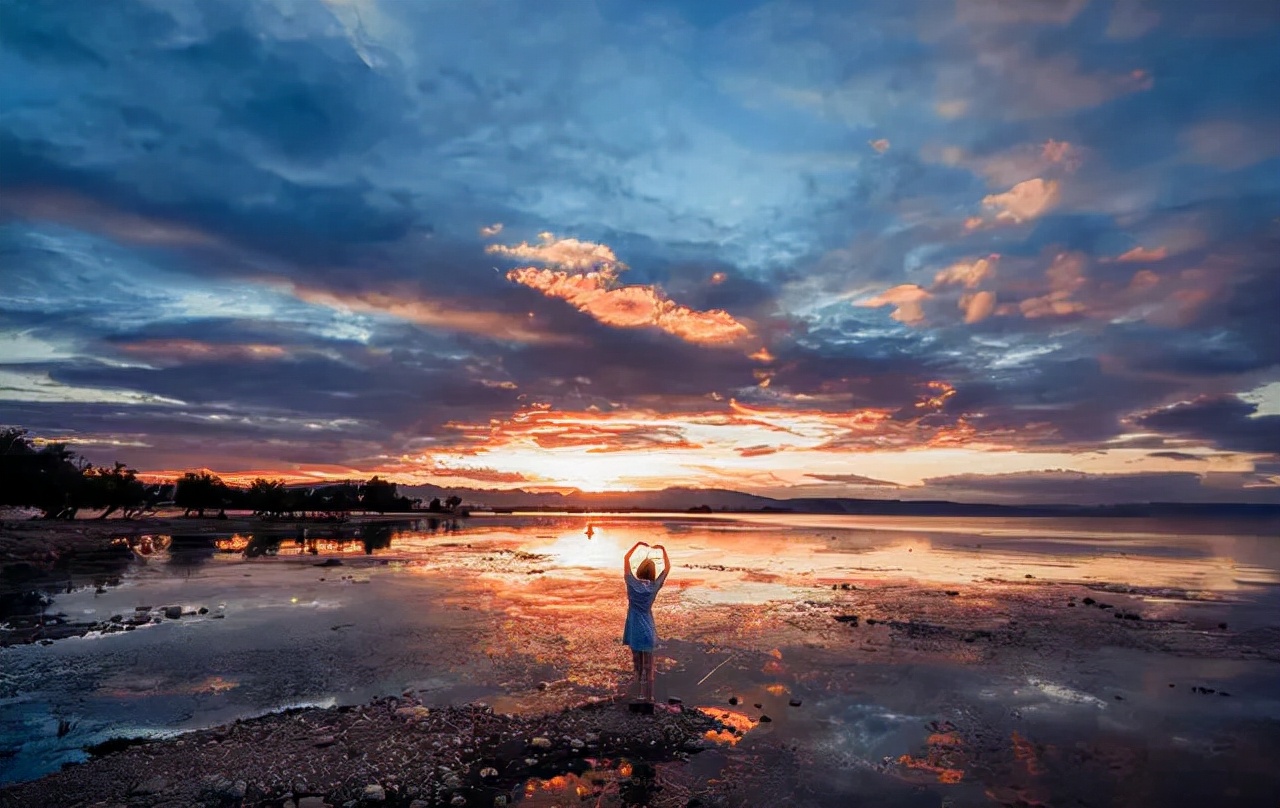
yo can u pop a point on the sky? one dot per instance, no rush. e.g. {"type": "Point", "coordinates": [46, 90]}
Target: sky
{"type": "Point", "coordinates": [1001, 250]}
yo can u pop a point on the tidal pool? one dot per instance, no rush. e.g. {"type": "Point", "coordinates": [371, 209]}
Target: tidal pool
{"type": "Point", "coordinates": [966, 665]}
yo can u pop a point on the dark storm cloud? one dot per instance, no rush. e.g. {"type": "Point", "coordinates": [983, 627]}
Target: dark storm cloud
{"type": "Point", "coordinates": [1225, 421]}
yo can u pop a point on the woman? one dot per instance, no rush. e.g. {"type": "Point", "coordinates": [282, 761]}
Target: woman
{"type": "Point", "coordinates": [640, 633]}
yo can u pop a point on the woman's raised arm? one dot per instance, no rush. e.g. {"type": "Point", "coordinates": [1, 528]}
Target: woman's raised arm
{"type": "Point", "coordinates": [626, 559]}
{"type": "Point", "coordinates": [666, 563]}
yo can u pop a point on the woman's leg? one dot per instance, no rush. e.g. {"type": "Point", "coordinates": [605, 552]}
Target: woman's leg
{"type": "Point", "coordinates": [637, 665]}
{"type": "Point", "coordinates": [646, 677]}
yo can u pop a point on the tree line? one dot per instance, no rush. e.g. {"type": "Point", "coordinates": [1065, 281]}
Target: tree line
{"type": "Point", "coordinates": [59, 483]}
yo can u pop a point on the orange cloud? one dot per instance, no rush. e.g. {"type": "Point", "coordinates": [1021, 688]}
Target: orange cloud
{"type": "Point", "coordinates": [188, 350]}
{"type": "Point", "coordinates": [1142, 254]}
{"type": "Point", "coordinates": [978, 306]}
{"type": "Point", "coordinates": [1023, 202]}
{"type": "Point", "coordinates": [632, 306]}
{"type": "Point", "coordinates": [968, 275]}
{"type": "Point", "coordinates": [489, 231]}
{"type": "Point", "coordinates": [907, 300]}
{"type": "Point", "coordinates": [587, 279]}
{"type": "Point", "coordinates": [881, 145]}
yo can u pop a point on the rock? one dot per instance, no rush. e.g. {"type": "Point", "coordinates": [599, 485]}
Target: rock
{"type": "Point", "coordinates": [758, 705]}
{"type": "Point", "coordinates": [951, 593]}
{"type": "Point", "coordinates": [488, 771]}
{"type": "Point", "coordinates": [576, 744]}
{"type": "Point", "coordinates": [733, 700]}
{"type": "Point", "coordinates": [852, 619]}
{"type": "Point", "coordinates": [312, 802]}
{"type": "Point", "coordinates": [1028, 575]}
{"type": "Point", "coordinates": [500, 801]}
{"type": "Point", "coordinates": [1132, 616]}
{"type": "Point", "coordinates": [542, 685]}
{"type": "Point", "coordinates": [540, 743]}
{"type": "Point", "coordinates": [117, 618]}
{"type": "Point", "coordinates": [373, 793]}
{"type": "Point", "coordinates": [764, 719]}
{"type": "Point", "coordinates": [419, 804]}
{"type": "Point", "coordinates": [289, 804]}
{"type": "Point", "coordinates": [458, 799]}
{"type": "Point", "coordinates": [1222, 626]}
{"type": "Point", "coordinates": [142, 608]}
{"type": "Point", "coordinates": [674, 700]}
{"type": "Point", "coordinates": [593, 737]}
{"type": "Point", "coordinates": [1088, 601]}
{"type": "Point", "coordinates": [173, 612]}
{"type": "Point", "coordinates": [531, 761]}
{"type": "Point", "coordinates": [153, 785]}
{"type": "Point", "coordinates": [202, 610]}
{"type": "Point", "coordinates": [795, 702]}
{"type": "Point", "coordinates": [330, 562]}
{"type": "Point", "coordinates": [321, 741]}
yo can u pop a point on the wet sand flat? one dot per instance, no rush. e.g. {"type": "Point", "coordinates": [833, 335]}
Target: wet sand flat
{"type": "Point", "coordinates": [905, 662]}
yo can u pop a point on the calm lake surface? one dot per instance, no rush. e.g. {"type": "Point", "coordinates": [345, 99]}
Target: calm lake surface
{"type": "Point", "coordinates": [984, 679]}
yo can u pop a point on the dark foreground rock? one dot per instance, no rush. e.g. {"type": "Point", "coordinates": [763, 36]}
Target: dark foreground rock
{"type": "Point", "coordinates": [391, 752]}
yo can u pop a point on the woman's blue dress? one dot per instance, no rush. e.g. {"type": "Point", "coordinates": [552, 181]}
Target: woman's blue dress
{"type": "Point", "coordinates": [640, 633]}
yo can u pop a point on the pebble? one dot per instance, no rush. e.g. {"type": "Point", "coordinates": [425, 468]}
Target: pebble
{"type": "Point", "coordinates": [795, 702]}
{"type": "Point", "coordinates": [324, 740]}
{"type": "Point", "coordinates": [540, 743]}
{"type": "Point", "coordinates": [173, 612]}
{"type": "Point", "coordinates": [373, 793]}
{"type": "Point", "coordinates": [764, 719]}
{"type": "Point", "coordinates": [489, 771]}
{"type": "Point", "coordinates": [576, 744]}
{"type": "Point", "coordinates": [1089, 601]}
{"type": "Point", "coordinates": [733, 700]}
{"type": "Point", "coordinates": [458, 799]}
{"type": "Point", "coordinates": [312, 802]}
{"type": "Point", "coordinates": [419, 804]}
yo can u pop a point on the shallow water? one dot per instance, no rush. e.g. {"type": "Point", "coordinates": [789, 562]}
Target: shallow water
{"type": "Point", "coordinates": [525, 613]}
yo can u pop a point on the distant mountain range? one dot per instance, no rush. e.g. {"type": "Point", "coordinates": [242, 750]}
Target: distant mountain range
{"type": "Point", "coordinates": [718, 499]}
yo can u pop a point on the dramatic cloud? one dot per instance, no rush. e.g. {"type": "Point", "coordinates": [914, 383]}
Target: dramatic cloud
{"type": "Point", "coordinates": [589, 282]}
{"type": "Point", "coordinates": [1229, 422]}
{"type": "Point", "coordinates": [969, 241]}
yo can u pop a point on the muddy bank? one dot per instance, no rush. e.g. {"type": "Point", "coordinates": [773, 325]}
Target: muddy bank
{"type": "Point", "coordinates": [392, 752]}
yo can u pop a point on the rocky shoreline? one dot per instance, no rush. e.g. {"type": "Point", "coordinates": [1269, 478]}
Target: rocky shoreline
{"type": "Point", "coordinates": [390, 752]}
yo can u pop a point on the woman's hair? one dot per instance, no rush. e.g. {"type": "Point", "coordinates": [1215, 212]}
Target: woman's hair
{"type": "Point", "coordinates": [647, 571]}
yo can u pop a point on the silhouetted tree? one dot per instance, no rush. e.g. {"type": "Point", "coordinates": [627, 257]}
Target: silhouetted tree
{"type": "Point", "coordinates": [113, 489]}
{"type": "Point", "coordinates": [49, 477]}
{"type": "Point", "coordinates": [379, 495]}
{"type": "Point", "coordinates": [199, 491]}
{"type": "Point", "coordinates": [268, 498]}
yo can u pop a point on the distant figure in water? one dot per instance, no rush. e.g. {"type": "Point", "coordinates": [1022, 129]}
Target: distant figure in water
{"type": "Point", "coordinates": [640, 633]}
{"type": "Point", "coordinates": [591, 531]}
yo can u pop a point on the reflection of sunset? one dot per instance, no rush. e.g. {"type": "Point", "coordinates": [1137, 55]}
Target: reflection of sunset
{"type": "Point", "coordinates": [737, 724]}
{"type": "Point", "coordinates": [574, 549]}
